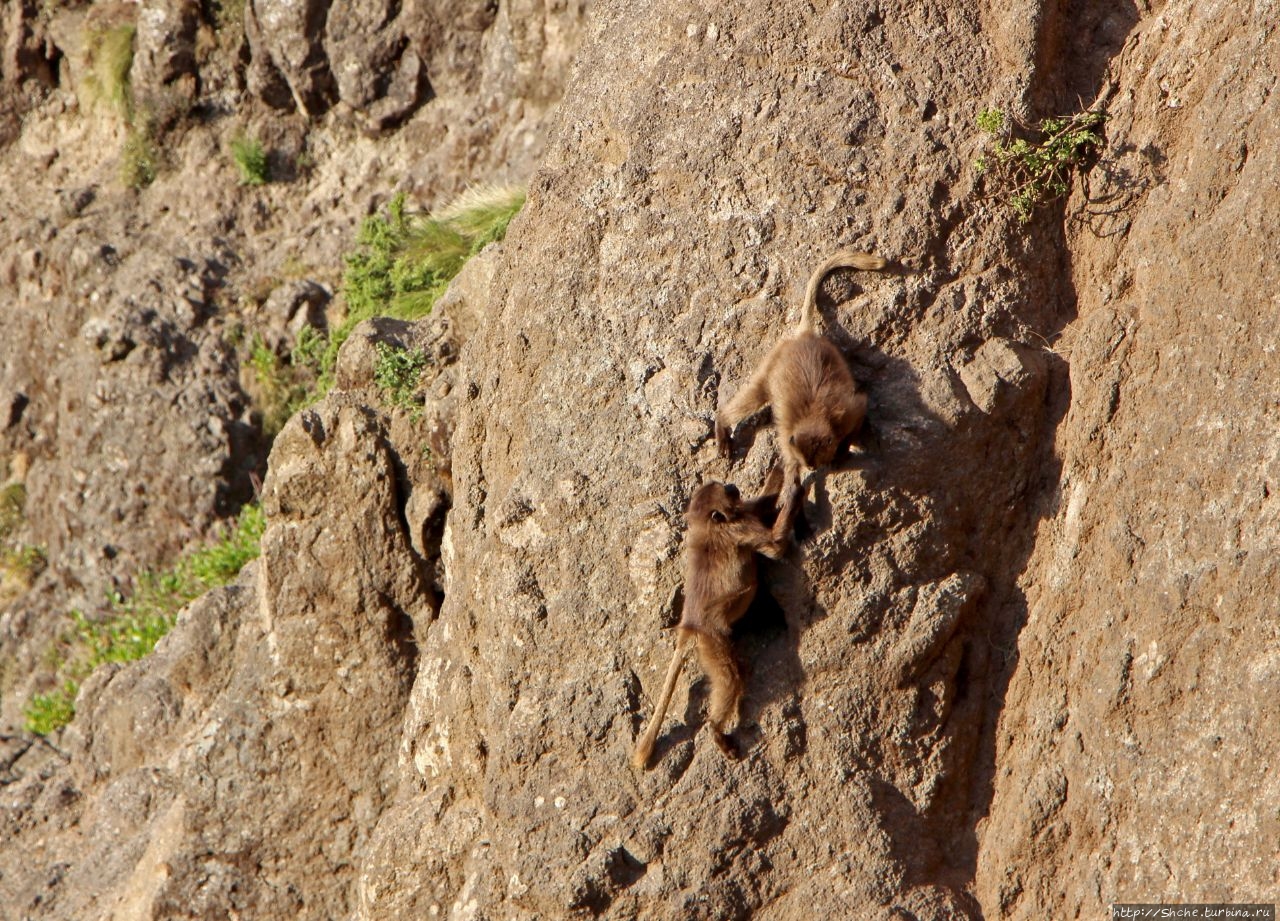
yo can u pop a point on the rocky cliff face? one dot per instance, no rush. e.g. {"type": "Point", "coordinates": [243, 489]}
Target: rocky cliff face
{"type": "Point", "coordinates": [128, 313]}
{"type": "Point", "coordinates": [1017, 668]}
{"type": "Point", "coordinates": [1134, 755]}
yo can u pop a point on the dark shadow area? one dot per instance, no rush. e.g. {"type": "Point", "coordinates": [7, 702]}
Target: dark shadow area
{"type": "Point", "coordinates": [1077, 43]}
{"type": "Point", "coordinates": [769, 649]}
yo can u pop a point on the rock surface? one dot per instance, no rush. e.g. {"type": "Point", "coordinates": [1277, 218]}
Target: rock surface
{"type": "Point", "coordinates": [1018, 667]}
{"type": "Point", "coordinates": [128, 314]}
{"type": "Point", "coordinates": [1135, 756]}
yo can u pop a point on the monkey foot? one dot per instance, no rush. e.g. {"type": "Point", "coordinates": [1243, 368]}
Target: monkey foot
{"type": "Point", "coordinates": [727, 744]}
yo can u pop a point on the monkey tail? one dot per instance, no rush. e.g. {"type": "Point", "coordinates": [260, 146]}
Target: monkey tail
{"type": "Point", "coordinates": [644, 745]}
{"type": "Point", "coordinates": [845, 259]}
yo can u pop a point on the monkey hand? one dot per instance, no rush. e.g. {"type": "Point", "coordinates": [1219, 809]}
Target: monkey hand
{"type": "Point", "coordinates": [724, 440]}
{"type": "Point", "coordinates": [791, 503]}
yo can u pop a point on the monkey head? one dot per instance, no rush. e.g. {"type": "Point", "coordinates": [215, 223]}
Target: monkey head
{"type": "Point", "coordinates": [715, 503]}
{"type": "Point", "coordinates": [815, 442]}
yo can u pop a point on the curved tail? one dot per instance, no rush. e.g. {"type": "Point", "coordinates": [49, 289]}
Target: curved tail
{"type": "Point", "coordinates": [644, 745]}
{"type": "Point", "coordinates": [845, 259]}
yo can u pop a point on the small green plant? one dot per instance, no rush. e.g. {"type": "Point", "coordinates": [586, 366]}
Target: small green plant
{"type": "Point", "coordinates": [13, 504]}
{"type": "Point", "coordinates": [228, 14]}
{"type": "Point", "coordinates": [138, 156]}
{"type": "Point", "coordinates": [19, 566]}
{"type": "Point", "coordinates": [284, 386]}
{"type": "Point", "coordinates": [397, 374]}
{"type": "Point", "coordinates": [133, 624]}
{"type": "Point", "coordinates": [46, 712]}
{"type": "Point", "coordinates": [250, 159]}
{"type": "Point", "coordinates": [108, 60]}
{"type": "Point", "coordinates": [308, 351]}
{"type": "Point", "coordinates": [1029, 167]}
{"type": "Point", "coordinates": [19, 563]}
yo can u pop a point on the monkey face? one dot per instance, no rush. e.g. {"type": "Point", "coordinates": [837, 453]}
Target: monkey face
{"type": "Point", "coordinates": [715, 502]}
{"type": "Point", "coordinates": [816, 446]}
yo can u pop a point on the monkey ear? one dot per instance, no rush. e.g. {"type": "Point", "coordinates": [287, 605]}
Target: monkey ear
{"type": "Point", "coordinates": [792, 439]}
{"type": "Point", "coordinates": [718, 517]}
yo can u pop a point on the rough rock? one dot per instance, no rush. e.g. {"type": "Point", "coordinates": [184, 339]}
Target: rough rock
{"type": "Point", "coordinates": [661, 276]}
{"type": "Point", "coordinates": [122, 308]}
{"type": "Point", "coordinates": [297, 676]}
{"type": "Point", "coordinates": [164, 58]}
{"type": "Point", "coordinates": [291, 308]}
{"type": "Point", "coordinates": [286, 37]}
{"type": "Point", "coordinates": [1134, 757]}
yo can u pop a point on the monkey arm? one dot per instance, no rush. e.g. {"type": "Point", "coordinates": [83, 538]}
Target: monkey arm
{"type": "Point", "coordinates": [752, 398]}
{"type": "Point", "coordinates": [751, 532]}
{"type": "Point", "coordinates": [786, 520]}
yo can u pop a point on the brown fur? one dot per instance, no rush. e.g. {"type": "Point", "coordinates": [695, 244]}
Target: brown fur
{"type": "Point", "coordinates": [725, 534]}
{"type": "Point", "coordinates": [804, 378]}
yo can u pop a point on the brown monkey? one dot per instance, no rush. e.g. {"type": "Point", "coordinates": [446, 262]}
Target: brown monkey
{"type": "Point", "coordinates": [816, 404]}
{"type": "Point", "coordinates": [725, 534]}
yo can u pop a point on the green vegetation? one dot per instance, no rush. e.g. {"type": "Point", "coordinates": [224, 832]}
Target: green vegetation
{"type": "Point", "coordinates": [13, 504]}
{"type": "Point", "coordinates": [285, 385]}
{"type": "Point", "coordinates": [19, 566]}
{"type": "Point", "coordinates": [401, 264]}
{"type": "Point", "coordinates": [134, 624]}
{"type": "Point", "coordinates": [397, 374]}
{"type": "Point", "coordinates": [403, 261]}
{"type": "Point", "coordinates": [228, 14]}
{"type": "Point", "coordinates": [250, 159]}
{"type": "Point", "coordinates": [138, 157]}
{"type": "Point", "coordinates": [19, 563]}
{"type": "Point", "coordinates": [47, 712]}
{"type": "Point", "coordinates": [1030, 167]}
{"type": "Point", "coordinates": [108, 60]}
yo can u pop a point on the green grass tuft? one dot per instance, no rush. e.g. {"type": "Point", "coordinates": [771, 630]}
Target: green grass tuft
{"type": "Point", "coordinates": [250, 159]}
{"type": "Point", "coordinates": [134, 624]}
{"type": "Point", "coordinates": [282, 386]}
{"type": "Point", "coordinates": [228, 14]}
{"type": "Point", "coordinates": [46, 712]}
{"type": "Point", "coordinates": [482, 213]}
{"type": "Point", "coordinates": [108, 60]}
{"type": "Point", "coordinates": [13, 505]}
{"type": "Point", "coordinates": [403, 262]}
{"type": "Point", "coordinates": [19, 563]}
{"type": "Point", "coordinates": [138, 157]}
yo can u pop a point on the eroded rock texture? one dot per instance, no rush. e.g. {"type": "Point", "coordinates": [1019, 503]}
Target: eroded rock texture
{"type": "Point", "coordinates": [126, 315]}
{"type": "Point", "coordinates": [1136, 753]}
{"type": "Point", "coordinates": [687, 212]}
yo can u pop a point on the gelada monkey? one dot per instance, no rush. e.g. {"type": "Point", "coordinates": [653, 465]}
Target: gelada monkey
{"type": "Point", "coordinates": [725, 534]}
{"type": "Point", "coordinates": [806, 381]}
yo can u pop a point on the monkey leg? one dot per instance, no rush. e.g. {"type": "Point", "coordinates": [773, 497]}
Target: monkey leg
{"type": "Point", "coordinates": [644, 745]}
{"type": "Point", "coordinates": [715, 652]}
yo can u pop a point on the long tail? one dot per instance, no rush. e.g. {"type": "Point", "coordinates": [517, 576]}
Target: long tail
{"type": "Point", "coordinates": [644, 745]}
{"type": "Point", "coordinates": [845, 259]}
